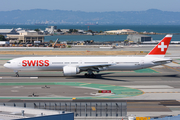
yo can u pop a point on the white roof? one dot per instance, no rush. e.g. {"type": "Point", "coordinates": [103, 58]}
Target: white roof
{"type": "Point", "coordinates": [120, 31]}
{"type": "Point", "coordinates": [5, 30]}
{"type": "Point", "coordinates": [31, 31]}
{"type": "Point", "coordinates": [21, 31]}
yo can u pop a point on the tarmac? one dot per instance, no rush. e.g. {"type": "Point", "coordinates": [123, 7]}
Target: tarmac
{"type": "Point", "coordinates": [149, 92]}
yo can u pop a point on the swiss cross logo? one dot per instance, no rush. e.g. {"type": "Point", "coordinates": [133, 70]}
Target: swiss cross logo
{"type": "Point", "coordinates": [162, 46]}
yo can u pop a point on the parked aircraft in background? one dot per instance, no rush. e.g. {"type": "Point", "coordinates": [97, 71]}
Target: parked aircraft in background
{"type": "Point", "coordinates": [72, 65]}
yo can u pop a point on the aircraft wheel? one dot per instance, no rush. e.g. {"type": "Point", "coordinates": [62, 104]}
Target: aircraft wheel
{"type": "Point", "coordinates": [93, 75]}
{"type": "Point", "coordinates": [17, 74]}
{"type": "Point", "coordinates": [86, 75]}
{"type": "Point", "coordinates": [89, 75]}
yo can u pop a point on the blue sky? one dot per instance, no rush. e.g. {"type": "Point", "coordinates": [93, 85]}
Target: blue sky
{"type": "Point", "coordinates": [91, 5]}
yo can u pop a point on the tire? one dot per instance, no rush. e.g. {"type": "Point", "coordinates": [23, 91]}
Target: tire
{"type": "Point", "coordinates": [93, 76]}
{"type": "Point", "coordinates": [86, 75]}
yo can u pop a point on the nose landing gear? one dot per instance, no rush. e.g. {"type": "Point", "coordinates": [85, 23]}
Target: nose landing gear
{"type": "Point", "coordinates": [17, 74]}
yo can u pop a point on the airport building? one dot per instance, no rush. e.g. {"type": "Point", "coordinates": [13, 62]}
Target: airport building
{"type": "Point", "coordinates": [123, 31]}
{"type": "Point", "coordinates": [7, 31]}
{"type": "Point", "coordinates": [51, 29]}
{"type": "Point", "coordinates": [138, 38]}
{"type": "Point", "coordinates": [26, 37]}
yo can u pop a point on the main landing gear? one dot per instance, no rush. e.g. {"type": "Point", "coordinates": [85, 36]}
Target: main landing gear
{"type": "Point", "coordinates": [90, 74]}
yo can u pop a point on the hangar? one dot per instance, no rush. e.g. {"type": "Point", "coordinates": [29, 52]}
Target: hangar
{"type": "Point", "coordinates": [139, 38]}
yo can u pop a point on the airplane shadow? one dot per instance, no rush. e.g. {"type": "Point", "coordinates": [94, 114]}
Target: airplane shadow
{"type": "Point", "coordinates": [98, 77]}
{"type": "Point", "coordinates": [105, 76]}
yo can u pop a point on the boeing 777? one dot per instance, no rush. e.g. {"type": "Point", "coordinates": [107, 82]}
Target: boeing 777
{"type": "Point", "coordinates": [72, 65]}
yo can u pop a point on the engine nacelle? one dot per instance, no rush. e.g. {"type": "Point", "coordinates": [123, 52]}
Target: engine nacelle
{"type": "Point", "coordinates": [70, 70]}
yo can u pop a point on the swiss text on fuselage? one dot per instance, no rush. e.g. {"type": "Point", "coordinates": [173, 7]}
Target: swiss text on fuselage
{"type": "Point", "coordinates": [35, 63]}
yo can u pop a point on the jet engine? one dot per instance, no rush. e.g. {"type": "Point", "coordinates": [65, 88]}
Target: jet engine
{"type": "Point", "coordinates": [70, 70]}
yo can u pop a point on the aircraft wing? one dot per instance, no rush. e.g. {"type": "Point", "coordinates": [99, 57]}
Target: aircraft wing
{"type": "Point", "coordinates": [94, 67]}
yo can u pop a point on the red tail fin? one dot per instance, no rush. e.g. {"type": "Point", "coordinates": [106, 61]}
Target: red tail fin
{"type": "Point", "coordinates": [161, 48]}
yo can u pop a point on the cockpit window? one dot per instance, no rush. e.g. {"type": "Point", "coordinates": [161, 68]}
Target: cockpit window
{"type": "Point", "coordinates": [8, 62]}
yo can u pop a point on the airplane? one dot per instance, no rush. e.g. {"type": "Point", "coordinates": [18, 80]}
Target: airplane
{"type": "Point", "coordinates": [73, 65]}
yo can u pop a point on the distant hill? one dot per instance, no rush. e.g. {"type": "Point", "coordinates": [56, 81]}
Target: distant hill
{"type": "Point", "coordinates": [40, 16]}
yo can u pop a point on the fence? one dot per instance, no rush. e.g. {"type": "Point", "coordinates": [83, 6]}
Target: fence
{"type": "Point", "coordinates": [84, 109]}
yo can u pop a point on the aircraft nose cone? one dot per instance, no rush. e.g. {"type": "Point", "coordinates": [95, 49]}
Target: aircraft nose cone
{"type": "Point", "coordinates": [5, 65]}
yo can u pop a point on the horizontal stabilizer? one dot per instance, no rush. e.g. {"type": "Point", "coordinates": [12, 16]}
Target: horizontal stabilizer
{"type": "Point", "coordinates": [159, 61]}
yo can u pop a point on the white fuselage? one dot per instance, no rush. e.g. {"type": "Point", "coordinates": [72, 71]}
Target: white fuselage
{"type": "Point", "coordinates": [57, 63]}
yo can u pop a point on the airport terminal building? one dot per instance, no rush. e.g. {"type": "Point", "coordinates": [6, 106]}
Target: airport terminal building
{"type": "Point", "coordinates": [26, 37]}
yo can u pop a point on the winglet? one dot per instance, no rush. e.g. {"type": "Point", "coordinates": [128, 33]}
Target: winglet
{"type": "Point", "coordinates": [161, 48]}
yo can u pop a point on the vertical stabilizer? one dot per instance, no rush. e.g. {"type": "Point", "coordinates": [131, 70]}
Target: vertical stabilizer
{"type": "Point", "coordinates": [160, 49]}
